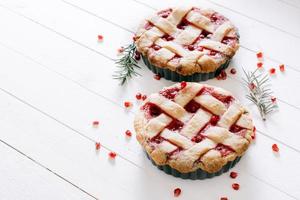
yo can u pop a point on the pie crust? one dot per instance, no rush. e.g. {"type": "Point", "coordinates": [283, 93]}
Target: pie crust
{"type": "Point", "coordinates": [187, 40]}
{"type": "Point", "coordinates": [193, 126]}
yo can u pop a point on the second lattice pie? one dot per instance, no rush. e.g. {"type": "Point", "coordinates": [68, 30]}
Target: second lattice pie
{"type": "Point", "coordinates": [193, 130]}
{"type": "Point", "coordinates": [187, 44]}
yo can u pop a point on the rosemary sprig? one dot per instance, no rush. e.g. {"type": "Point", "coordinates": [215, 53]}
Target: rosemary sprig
{"type": "Point", "coordinates": [127, 64]}
{"type": "Point", "coordinates": [259, 92]}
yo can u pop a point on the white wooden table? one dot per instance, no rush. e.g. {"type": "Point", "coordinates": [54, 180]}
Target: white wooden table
{"type": "Point", "coordinates": [56, 79]}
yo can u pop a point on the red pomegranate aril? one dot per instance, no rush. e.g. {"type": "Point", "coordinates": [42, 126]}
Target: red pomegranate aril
{"type": "Point", "coordinates": [121, 50]}
{"type": "Point", "coordinates": [281, 68]}
{"type": "Point", "coordinates": [233, 175]}
{"type": "Point", "coordinates": [259, 65]}
{"type": "Point", "coordinates": [214, 119]}
{"type": "Point", "coordinates": [137, 56]}
{"type": "Point", "coordinates": [272, 71]}
{"type": "Point", "coordinates": [223, 198]}
{"type": "Point", "coordinates": [127, 104]}
{"type": "Point", "coordinates": [233, 71]}
{"type": "Point", "coordinates": [212, 53]}
{"type": "Point", "coordinates": [95, 123]}
{"type": "Point", "coordinates": [175, 125]}
{"type": "Point", "coordinates": [252, 86]}
{"type": "Point", "coordinates": [275, 148]}
{"type": "Point", "coordinates": [192, 106]}
{"type": "Point", "coordinates": [97, 145]}
{"type": "Point", "coordinates": [157, 77]}
{"type": "Point", "coordinates": [100, 38]}
{"type": "Point", "coordinates": [112, 155]}
{"type": "Point", "coordinates": [259, 55]}
{"type": "Point", "coordinates": [128, 133]}
{"type": "Point", "coordinates": [235, 186]}
{"type": "Point", "coordinates": [138, 96]}
{"type": "Point", "coordinates": [191, 47]}
{"type": "Point", "coordinates": [273, 99]}
{"type": "Point", "coordinates": [183, 84]}
{"type": "Point", "coordinates": [253, 135]}
{"type": "Point", "coordinates": [177, 192]}
{"type": "Point", "coordinates": [144, 97]}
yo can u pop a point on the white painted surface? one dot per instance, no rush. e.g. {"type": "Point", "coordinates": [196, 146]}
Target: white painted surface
{"type": "Point", "coordinates": [55, 79]}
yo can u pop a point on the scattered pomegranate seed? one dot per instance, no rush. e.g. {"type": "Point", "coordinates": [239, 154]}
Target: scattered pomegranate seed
{"type": "Point", "coordinates": [214, 119]}
{"type": "Point", "coordinates": [281, 68]}
{"type": "Point", "coordinates": [224, 198]}
{"type": "Point", "coordinates": [259, 55]}
{"type": "Point", "coordinates": [144, 97]}
{"type": "Point", "coordinates": [222, 75]}
{"type": "Point", "coordinates": [138, 96]}
{"type": "Point", "coordinates": [252, 86]}
{"type": "Point", "coordinates": [127, 104]}
{"type": "Point", "coordinates": [134, 38]}
{"type": "Point", "coordinates": [233, 71]}
{"type": "Point", "coordinates": [97, 145]}
{"type": "Point", "coordinates": [273, 99]}
{"type": "Point", "coordinates": [233, 174]}
{"type": "Point", "coordinates": [100, 38]}
{"type": "Point", "coordinates": [121, 50]}
{"type": "Point", "coordinates": [272, 71]}
{"type": "Point", "coordinates": [157, 77]}
{"type": "Point", "coordinates": [275, 148]}
{"type": "Point", "coordinates": [112, 155]}
{"type": "Point", "coordinates": [253, 136]}
{"type": "Point", "coordinates": [235, 186]}
{"type": "Point", "coordinates": [137, 55]}
{"type": "Point", "coordinates": [177, 192]}
{"type": "Point", "coordinates": [95, 123]}
{"type": "Point", "coordinates": [128, 133]}
{"type": "Point", "coordinates": [183, 84]}
{"type": "Point", "coordinates": [259, 64]}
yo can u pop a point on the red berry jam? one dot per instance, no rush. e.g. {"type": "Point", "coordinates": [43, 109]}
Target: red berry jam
{"type": "Point", "coordinates": [191, 47]}
{"type": "Point", "coordinates": [224, 150]}
{"type": "Point", "coordinates": [214, 119]}
{"type": "Point", "coordinates": [168, 37]}
{"type": "Point", "coordinates": [198, 138]}
{"type": "Point", "coordinates": [235, 128]}
{"type": "Point", "coordinates": [169, 93]}
{"type": "Point", "coordinates": [151, 110]}
{"type": "Point", "coordinates": [192, 106]}
{"type": "Point", "coordinates": [164, 13]}
{"type": "Point", "coordinates": [175, 125]}
{"type": "Point", "coordinates": [156, 47]}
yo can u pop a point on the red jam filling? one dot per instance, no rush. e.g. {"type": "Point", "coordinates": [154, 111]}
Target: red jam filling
{"type": "Point", "coordinates": [229, 41]}
{"type": "Point", "coordinates": [214, 119]}
{"type": "Point", "coordinates": [151, 110]}
{"type": "Point", "coordinates": [164, 13]}
{"type": "Point", "coordinates": [183, 24]}
{"type": "Point", "coordinates": [238, 130]}
{"type": "Point", "coordinates": [148, 26]}
{"type": "Point", "coordinates": [205, 90]}
{"type": "Point", "coordinates": [157, 139]}
{"type": "Point", "coordinates": [175, 125]}
{"type": "Point", "coordinates": [156, 47]}
{"type": "Point", "coordinates": [225, 99]}
{"type": "Point", "coordinates": [217, 18]}
{"type": "Point", "coordinates": [169, 93]}
{"type": "Point", "coordinates": [198, 138]}
{"type": "Point", "coordinates": [192, 106]}
{"type": "Point", "coordinates": [168, 37]}
{"type": "Point", "coordinates": [223, 149]}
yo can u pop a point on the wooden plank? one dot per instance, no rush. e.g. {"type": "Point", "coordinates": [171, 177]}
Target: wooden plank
{"type": "Point", "coordinates": [62, 150]}
{"type": "Point", "coordinates": [21, 178]}
{"type": "Point", "coordinates": [76, 107]}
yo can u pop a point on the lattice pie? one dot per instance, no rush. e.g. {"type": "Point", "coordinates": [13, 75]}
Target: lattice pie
{"type": "Point", "coordinates": [191, 126]}
{"type": "Point", "coordinates": [188, 44]}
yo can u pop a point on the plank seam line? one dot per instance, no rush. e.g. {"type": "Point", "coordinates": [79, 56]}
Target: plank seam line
{"type": "Point", "coordinates": [85, 137]}
{"type": "Point", "coordinates": [49, 170]}
{"type": "Point", "coordinates": [131, 31]}
{"type": "Point", "coordinates": [289, 4]}
{"type": "Point", "coordinates": [92, 91]}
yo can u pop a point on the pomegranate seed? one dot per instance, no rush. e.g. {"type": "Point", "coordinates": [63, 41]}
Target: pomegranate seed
{"type": "Point", "coordinates": [281, 68]}
{"type": "Point", "coordinates": [134, 38]}
{"type": "Point", "coordinates": [275, 148]}
{"type": "Point", "coordinates": [128, 133]}
{"type": "Point", "coordinates": [157, 76]}
{"type": "Point", "coordinates": [127, 104]}
{"type": "Point", "coordinates": [144, 97]}
{"type": "Point", "coordinates": [224, 198]}
{"type": "Point", "coordinates": [95, 123]}
{"type": "Point", "coordinates": [235, 186]}
{"type": "Point", "coordinates": [112, 155]}
{"type": "Point", "coordinates": [273, 99]}
{"type": "Point", "coordinates": [233, 71]}
{"type": "Point", "coordinates": [252, 86]}
{"type": "Point", "coordinates": [259, 64]}
{"type": "Point", "coordinates": [100, 38]}
{"type": "Point", "coordinates": [272, 71]}
{"type": "Point", "coordinates": [253, 136]}
{"type": "Point", "coordinates": [177, 192]}
{"type": "Point", "coordinates": [183, 84]}
{"type": "Point", "coordinates": [138, 96]}
{"type": "Point", "coordinates": [259, 55]}
{"type": "Point", "coordinates": [121, 50]}
{"type": "Point", "coordinates": [137, 56]}
{"type": "Point", "coordinates": [233, 174]}
{"type": "Point", "coordinates": [97, 145]}
{"type": "Point", "coordinates": [191, 47]}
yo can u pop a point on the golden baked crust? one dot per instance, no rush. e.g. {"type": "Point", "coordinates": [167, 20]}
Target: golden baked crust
{"type": "Point", "coordinates": [187, 40]}
{"type": "Point", "coordinates": [190, 126]}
